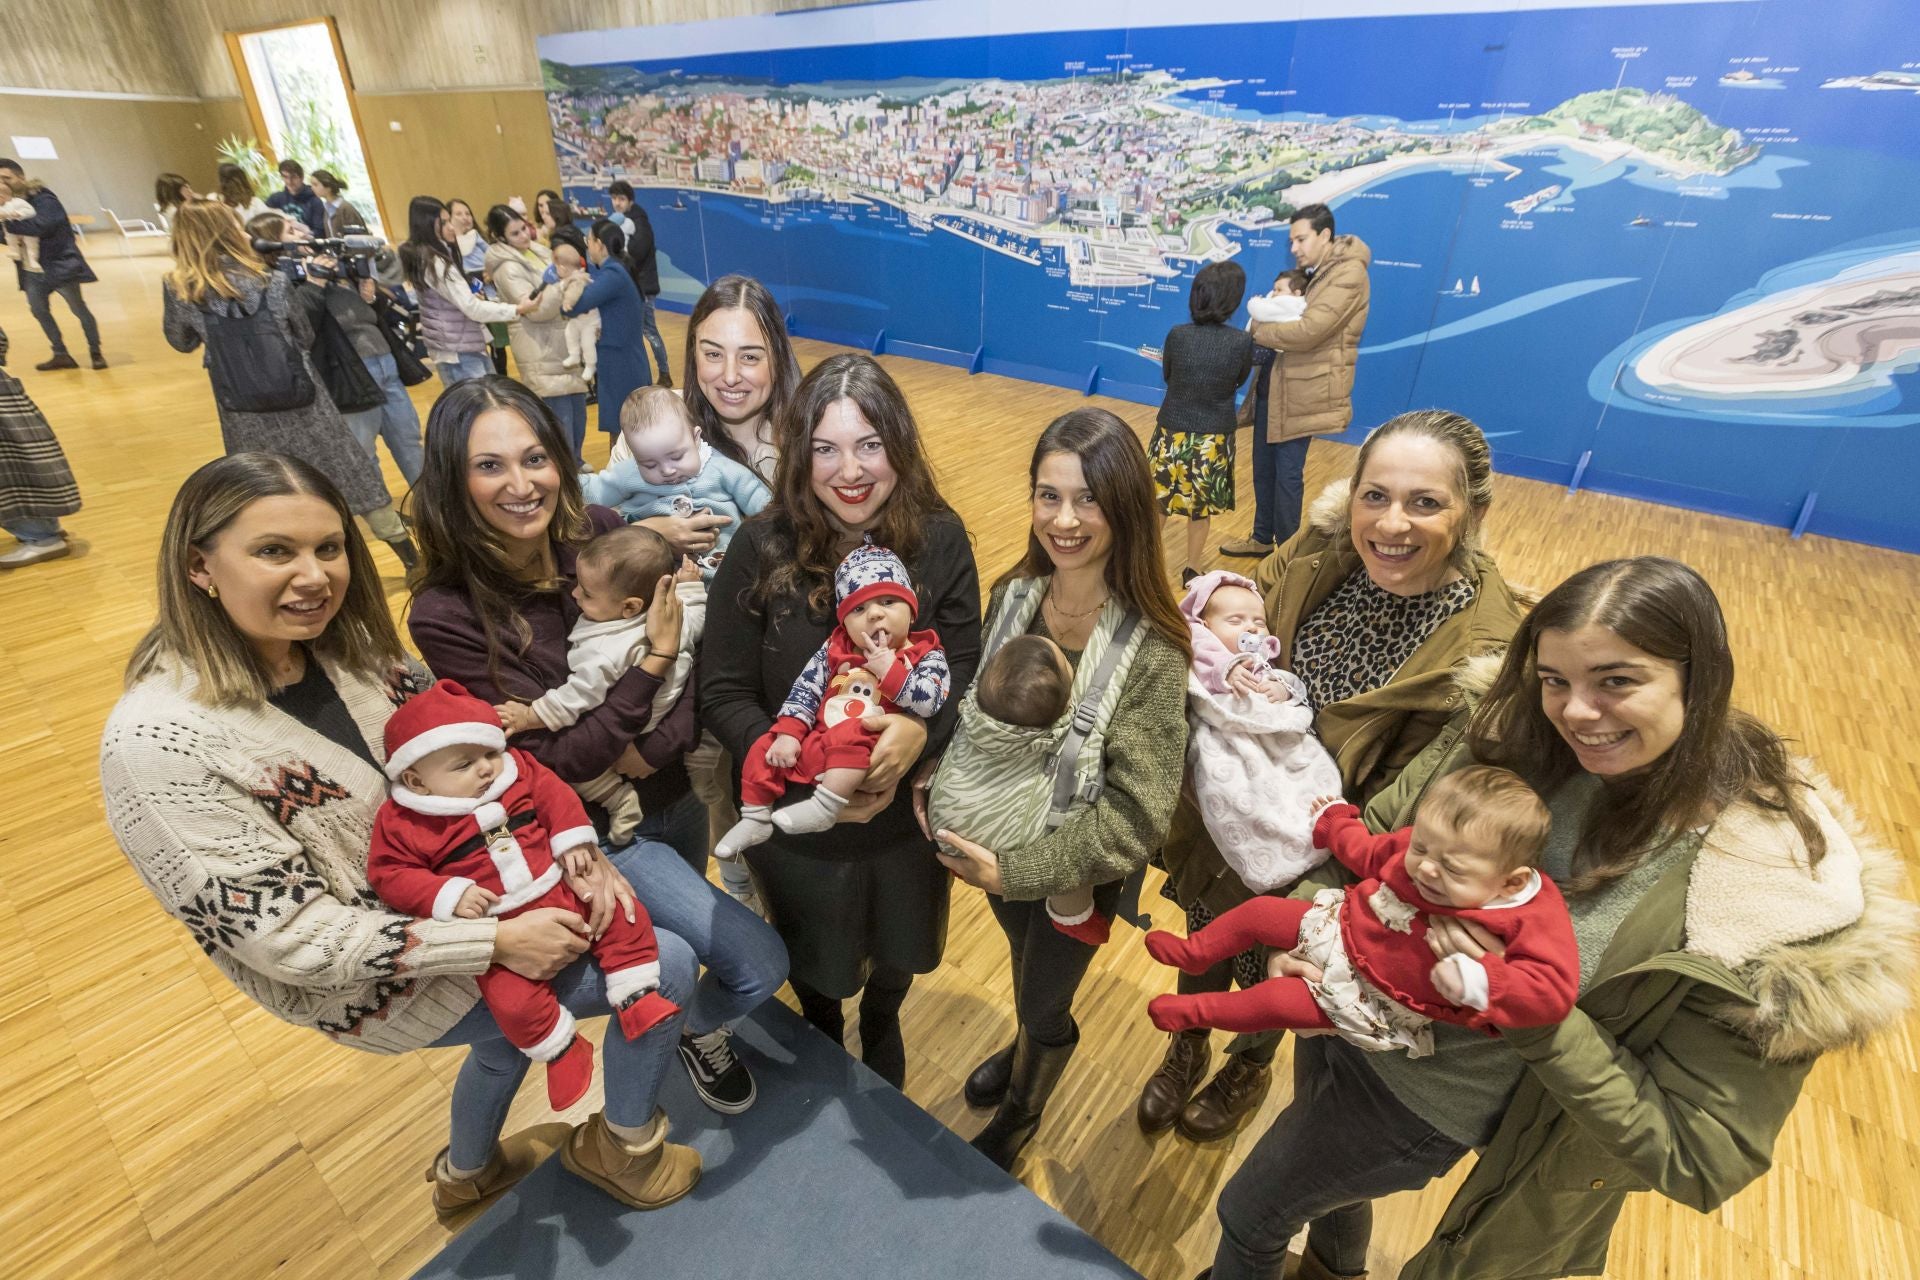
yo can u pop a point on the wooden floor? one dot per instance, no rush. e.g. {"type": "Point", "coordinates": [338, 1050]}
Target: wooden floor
{"type": "Point", "coordinates": [155, 1123]}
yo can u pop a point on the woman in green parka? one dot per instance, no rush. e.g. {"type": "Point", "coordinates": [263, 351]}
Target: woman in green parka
{"type": "Point", "coordinates": [1734, 923]}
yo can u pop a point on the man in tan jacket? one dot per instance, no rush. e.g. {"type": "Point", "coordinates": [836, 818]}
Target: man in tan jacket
{"type": "Point", "coordinates": [1309, 387]}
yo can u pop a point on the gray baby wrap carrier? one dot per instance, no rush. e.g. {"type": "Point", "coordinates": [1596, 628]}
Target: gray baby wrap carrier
{"type": "Point", "coordinates": [1004, 786]}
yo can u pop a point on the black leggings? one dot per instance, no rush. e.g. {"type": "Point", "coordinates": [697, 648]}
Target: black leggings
{"type": "Point", "coordinates": [1047, 964]}
{"type": "Point", "coordinates": [882, 1046]}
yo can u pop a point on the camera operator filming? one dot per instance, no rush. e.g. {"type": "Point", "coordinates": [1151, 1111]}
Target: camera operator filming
{"type": "Point", "coordinates": [222, 295]}
{"type": "Point", "coordinates": [371, 390]}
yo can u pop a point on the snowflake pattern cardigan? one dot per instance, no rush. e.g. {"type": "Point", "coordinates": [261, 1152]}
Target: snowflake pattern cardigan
{"type": "Point", "coordinates": [252, 830]}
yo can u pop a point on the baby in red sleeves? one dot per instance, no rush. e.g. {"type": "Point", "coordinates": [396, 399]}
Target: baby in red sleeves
{"type": "Point", "coordinates": [473, 829]}
{"type": "Point", "coordinates": [1471, 853]}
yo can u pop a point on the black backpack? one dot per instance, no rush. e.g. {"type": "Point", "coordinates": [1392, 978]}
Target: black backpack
{"type": "Point", "coordinates": [253, 367]}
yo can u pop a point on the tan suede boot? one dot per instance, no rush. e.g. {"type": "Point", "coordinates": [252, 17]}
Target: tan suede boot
{"type": "Point", "coordinates": [651, 1176]}
{"type": "Point", "coordinates": [517, 1156]}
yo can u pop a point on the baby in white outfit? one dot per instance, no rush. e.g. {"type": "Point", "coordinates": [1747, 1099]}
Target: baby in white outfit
{"type": "Point", "coordinates": [583, 331]}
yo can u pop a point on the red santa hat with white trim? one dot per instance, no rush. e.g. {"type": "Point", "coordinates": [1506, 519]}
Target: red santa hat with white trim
{"type": "Point", "coordinates": [869, 573]}
{"type": "Point", "coordinates": [446, 715]}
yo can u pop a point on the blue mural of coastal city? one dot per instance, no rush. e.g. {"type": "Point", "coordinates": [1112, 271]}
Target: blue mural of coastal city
{"type": "Point", "coordinates": [1670, 248]}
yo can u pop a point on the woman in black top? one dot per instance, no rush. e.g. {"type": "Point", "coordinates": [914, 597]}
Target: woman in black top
{"type": "Point", "coordinates": [860, 907]}
{"type": "Point", "coordinates": [1203, 363]}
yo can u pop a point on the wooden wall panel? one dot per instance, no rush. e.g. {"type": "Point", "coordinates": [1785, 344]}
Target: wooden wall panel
{"type": "Point", "coordinates": [99, 46]}
{"type": "Point", "coordinates": [430, 44]}
{"type": "Point", "coordinates": [111, 150]}
{"type": "Point", "coordinates": [481, 146]}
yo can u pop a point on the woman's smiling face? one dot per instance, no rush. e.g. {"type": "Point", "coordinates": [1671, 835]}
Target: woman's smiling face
{"type": "Point", "coordinates": [513, 482]}
{"type": "Point", "coordinates": [851, 476]}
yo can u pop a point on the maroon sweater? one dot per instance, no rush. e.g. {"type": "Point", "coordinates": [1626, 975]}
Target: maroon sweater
{"type": "Point", "coordinates": [449, 637]}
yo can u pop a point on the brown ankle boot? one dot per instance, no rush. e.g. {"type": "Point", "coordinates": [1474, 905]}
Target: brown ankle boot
{"type": "Point", "coordinates": [1180, 1073]}
{"type": "Point", "coordinates": [1235, 1091]}
{"type": "Point", "coordinates": [515, 1158]}
{"type": "Point", "coordinates": [651, 1176]}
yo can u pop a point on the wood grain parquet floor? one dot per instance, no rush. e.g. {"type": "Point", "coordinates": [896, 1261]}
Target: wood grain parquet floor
{"type": "Point", "coordinates": [155, 1123]}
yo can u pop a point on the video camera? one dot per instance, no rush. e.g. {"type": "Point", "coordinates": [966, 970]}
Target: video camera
{"type": "Point", "coordinates": [353, 256]}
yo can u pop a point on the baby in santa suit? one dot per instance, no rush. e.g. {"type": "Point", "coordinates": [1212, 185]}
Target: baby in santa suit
{"type": "Point", "coordinates": [1471, 854]}
{"type": "Point", "coordinates": [473, 829]}
{"type": "Point", "coordinates": [871, 664]}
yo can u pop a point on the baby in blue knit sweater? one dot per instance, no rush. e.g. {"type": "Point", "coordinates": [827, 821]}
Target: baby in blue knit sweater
{"type": "Point", "coordinates": [673, 472]}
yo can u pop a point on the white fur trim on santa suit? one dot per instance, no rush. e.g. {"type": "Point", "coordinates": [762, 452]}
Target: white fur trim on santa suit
{"type": "Point", "coordinates": [623, 984]}
{"type": "Point", "coordinates": [561, 841]}
{"type": "Point", "coordinates": [463, 733]}
{"type": "Point", "coordinates": [555, 1041]}
{"type": "Point", "coordinates": [449, 897]}
{"type": "Point", "coordinates": [527, 892]}
{"type": "Point", "coordinates": [455, 806]}
{"type": "Point", "coordinates": [1082, 918]}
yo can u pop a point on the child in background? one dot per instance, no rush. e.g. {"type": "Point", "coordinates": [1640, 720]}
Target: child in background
{"type": "Point", "coordinates": [473, 829]}
{"type": "Point", "coordinates": [673, 471]}
{"type": "Point", "coordinates": [995, 782]}
{"type": "Point", "coordinates": [872, 663]}
{"type": "Point", "coordinates": [583, 331]}
{"type": "Point", "coordinates": [1470, 854]}
{"type": "Point", "coordinates": [614, 582]}
{"type": "Point", "coordinates": [1286, 301]}
{"type": "Point", "coordinates": [1252, 756]}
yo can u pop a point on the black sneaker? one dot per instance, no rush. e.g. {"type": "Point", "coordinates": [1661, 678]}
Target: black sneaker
{"type": "Point", "coordinates": [720, 1078]}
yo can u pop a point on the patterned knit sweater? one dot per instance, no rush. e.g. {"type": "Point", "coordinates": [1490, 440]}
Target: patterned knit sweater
{"type": "Point", "coordinates": [252, 830]}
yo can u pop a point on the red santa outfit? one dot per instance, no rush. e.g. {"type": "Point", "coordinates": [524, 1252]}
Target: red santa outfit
{"type": "Point", "coordinates": [1370, 941]}
{"type": "Point", "coordinates": [831, 697]}
{"type": "Point", "coordinates": [428, 850]}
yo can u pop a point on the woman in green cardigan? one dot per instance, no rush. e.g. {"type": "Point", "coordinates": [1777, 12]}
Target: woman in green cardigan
{"type": "Point", "coordinates": [1734, 923]}
{"type": "Point", "coordinates": [1095, 545]}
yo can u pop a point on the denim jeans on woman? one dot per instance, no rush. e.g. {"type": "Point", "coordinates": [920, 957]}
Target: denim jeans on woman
{"type": "Point", "coordinates": [34, 530]}
{"type": "Point", "coordinates": [468, 364]}
{"type": "Point", "coordinates": [572, 413]}
{"type": "Point", "coordinates": [1343, 1142]}
{"type": "Point", "coordinates": [696, 925]}
{"type": "Point", "coordinates": [396, 421]}
{"type": "Point", "coordinates": [650, 330]}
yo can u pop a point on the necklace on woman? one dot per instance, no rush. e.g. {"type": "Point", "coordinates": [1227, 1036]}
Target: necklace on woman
{"type": "Point", "coordinates": [1060, 611]}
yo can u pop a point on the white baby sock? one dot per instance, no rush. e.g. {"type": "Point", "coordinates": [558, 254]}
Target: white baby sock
{"type": "Point", "coordinates": [816, 813]}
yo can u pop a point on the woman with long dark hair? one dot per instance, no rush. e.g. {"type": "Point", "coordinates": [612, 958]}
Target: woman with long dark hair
{"type": "Point", "coordinates": [501, 523]}
{"type": "Point", "coordinates": [451, 314]}
{"type": "Point", "coordinates": [622, 349]}
{"type": "Point", "coordinates": [237, 193]}
{"type": "Point", "coordinates": [863, 905]}
{"type": "Point", "coordinates": [1734, 923]}
{"type": "Point", "coordinates": [1091, 577]}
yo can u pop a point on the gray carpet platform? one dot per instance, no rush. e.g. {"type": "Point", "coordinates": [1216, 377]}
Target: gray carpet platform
{"type": "Point", "coordinates": [831, 1173]}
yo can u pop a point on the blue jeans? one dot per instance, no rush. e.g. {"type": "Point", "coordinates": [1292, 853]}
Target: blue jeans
{"type": "Point", "coordinates": [572, 412]}
{"type": "Point", "coordinates": [695, 925]}
{"type": "Point", "coordinates": [1279, 478]}
{"type": "Point", "coordinates": [396, 421]}
{"type": "Point", "coordinates": [650, 330]}
{"type": "Point", "coordinates": [34, 529]}
{"type": "Point", "coordinates": [470, 364]}
{"type": "Point", "coordinates": [39, 294]}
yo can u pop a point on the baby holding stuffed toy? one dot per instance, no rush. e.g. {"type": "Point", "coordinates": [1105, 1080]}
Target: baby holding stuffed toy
{"type": "Point", "coordinates": [873, 663]}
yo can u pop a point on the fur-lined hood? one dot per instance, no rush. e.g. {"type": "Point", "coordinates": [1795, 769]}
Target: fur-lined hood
{"type": "Point", "coordinates": [1830, 953]}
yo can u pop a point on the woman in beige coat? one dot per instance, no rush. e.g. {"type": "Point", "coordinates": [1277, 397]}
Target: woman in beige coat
{"type": "Point", "coordinates": [515, 264]}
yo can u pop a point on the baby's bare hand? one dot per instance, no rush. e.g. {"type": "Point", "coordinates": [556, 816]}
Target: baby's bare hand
{"type": "Point", "coordinates": [784, 751]}
{"type": "Point", "coordinates": [475, 902]}
{"type": "Point", "coordinates": [518, 717]}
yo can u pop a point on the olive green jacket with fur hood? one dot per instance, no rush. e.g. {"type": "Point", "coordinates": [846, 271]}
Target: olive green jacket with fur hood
{"type": "Point", "coordinates": [1373, 735]}
{"type": "Point", "coordinates": [1310, 387]}
{"type": "Point", "coordinates": [1684, 1055]}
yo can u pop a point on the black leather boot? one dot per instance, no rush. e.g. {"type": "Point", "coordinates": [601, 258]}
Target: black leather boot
{"type": "Point", "coordinates": [988, 1083]}
{"type": "Point", "coordinates": [408, 555]}
{"type": "Point", "coordinates": [1035, 1073]}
